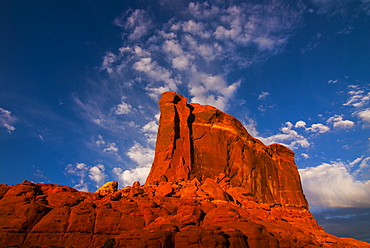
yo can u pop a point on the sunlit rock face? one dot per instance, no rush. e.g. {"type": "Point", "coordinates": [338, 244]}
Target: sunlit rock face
{"type": "Point", "coordinates": [201, 141]}
{"type": "Point", "coordinates": [211, 185]}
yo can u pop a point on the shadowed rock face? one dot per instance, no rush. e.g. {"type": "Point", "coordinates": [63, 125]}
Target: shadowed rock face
{"type": "Point", "coordinates": [201, 141]}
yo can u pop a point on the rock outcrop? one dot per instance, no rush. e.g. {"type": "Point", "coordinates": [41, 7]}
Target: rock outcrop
{"type": "Point", "coordinates": [211, 185]}
{"type": "Point", "coordinates": [201, 141]}
{"type": "Point", "coordinates": [107, 188]}
{"type": "Point", "coordinates": [181, 213]}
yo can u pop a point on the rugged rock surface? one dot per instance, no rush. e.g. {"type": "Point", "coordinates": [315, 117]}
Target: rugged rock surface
{"type": "Point", "coordinates": [211, 185]}
{"type": "Point", "coordinates": [201, 141]}
{"type": "Point", "coordinates": [180, 213]}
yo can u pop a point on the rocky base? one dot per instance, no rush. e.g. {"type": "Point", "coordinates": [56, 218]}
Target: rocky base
{"type": "Point", "coordinates": [167, 214]}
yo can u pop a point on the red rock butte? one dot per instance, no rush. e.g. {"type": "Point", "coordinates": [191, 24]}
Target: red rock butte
{"type": "Point", "coordinates": [211, 185]}
{"type": "Point", "coordinates": [201, 141]}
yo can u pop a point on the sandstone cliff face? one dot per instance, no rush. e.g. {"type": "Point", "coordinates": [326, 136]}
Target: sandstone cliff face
{"type": "Point", "coordinates": [201, 141]}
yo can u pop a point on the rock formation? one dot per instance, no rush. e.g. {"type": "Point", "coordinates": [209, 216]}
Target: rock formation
{"type": "Point", "coordinates": [201, 141]}
{"type": "Point", "coordinates": [107, 188]}
{"type": "Point", "coordinates": [211, 185]}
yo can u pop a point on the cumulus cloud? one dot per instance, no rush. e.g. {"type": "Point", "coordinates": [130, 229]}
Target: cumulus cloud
{"type": "Point", "coordinates": [335, 185]}
{"type": "Point", "coordinates": [300, 124]}
{"type": "Point", "coordinates": [315, 128]}
{"type": "Point", "coordinates": [338, 122]}
{"type": "Point", "coordinates": [143, 156]}
{"type": "Point", "coordinates": [365, 116]}
{"type": "Point", "coordinates": [318, 128]}
{"type": "Point", "coordinates": [7, 120]}
{"type": "Point", "coordinates": [150, 132]}
{"type": "Point", "coordinates": [96, 173]}
{"type": "Point", "coordinates": [81, 172]}
{"type": "Point", "coordinates": [287, 137]}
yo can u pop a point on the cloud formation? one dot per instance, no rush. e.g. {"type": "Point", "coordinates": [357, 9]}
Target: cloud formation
{"type": "Point", "coordinates": [81, 172]}
{"type": "Point", "coordinates": [7, 120]}
{"type": "Point", "coordinates": [287, 137]}
{"type": "Point", "coordinates": [196, 49]}
{"type": "Point", "coordinates": [358, 97]}
{"type": "Point", "coordinates": [143, 156]}
{"type": "Point", "coordinates": [338, 122]}
{"type": "Point", "coordinates": [365, 116]}
{"type": "Point", "coordinates": [315, 128]}
{"type": "Point", "coordinates": [336, 184]}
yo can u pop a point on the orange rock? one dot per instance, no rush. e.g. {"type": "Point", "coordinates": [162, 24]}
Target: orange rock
{"type": "Point", "coordinates": [164, 189]}
{"type": "Point", "coordinates": [201, 141]}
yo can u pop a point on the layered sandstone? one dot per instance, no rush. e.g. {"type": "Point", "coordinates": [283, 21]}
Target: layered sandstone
{"type": "Point", "coordinates": [201, 141]}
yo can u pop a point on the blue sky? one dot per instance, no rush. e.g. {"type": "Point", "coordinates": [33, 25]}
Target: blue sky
{"type": "Point", "coordinates": [80, 81]}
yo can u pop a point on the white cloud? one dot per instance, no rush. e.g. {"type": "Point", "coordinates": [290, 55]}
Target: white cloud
{"type": "Point", "coordinates": [263, 95]}
{"type": "Point", "coordinates": [150, 132]}
{"type": "Point", "coordinates": [358, 97]}
{"type": "Point", "coordinates": [338, 122]}
{"type": "Point", "coordinates": [334, 185]}
{"type": "Point", "coordinates": [137, 23]}
{"type": "Point", "coordinates": [315, 128]}
{"type": "Point", "coordinates": [305, 155]}
{"type": "Point", "coordinates": [156, 74]}
{"type": "Point", "coordinates": [251, 126]}
{"type": "Point", "coordinates": [208, 39]}
{"type": "Point", "coordinates": [96, 173]}
{"type": "Point", "coordinates": [112, 148]}
{"type": "Point", "coordinates": [79, 170]}
{"type": "Point", "coordinates": [123, 108]}
{"type": "Point", "coordinates": [318, 128]}
{"type": "Point", "coordinates": [82, 172]}
{"type": "Point", "coordinates": [108, 61]}
{"type": "Point", "coordinates": [211, 90]}
{"type": "Point", "coordinates": [100, 141]}
{"type": "Point", "coordinates": [364, 115]}
{"type": "Point", "coordinates": [288, 137]}
{"type": "Point", "coordinates": [300, 124]}
{"type": "Point", "coordinates": [7, 120]}
{"type": "Point", "coordinates": [143, 156]}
